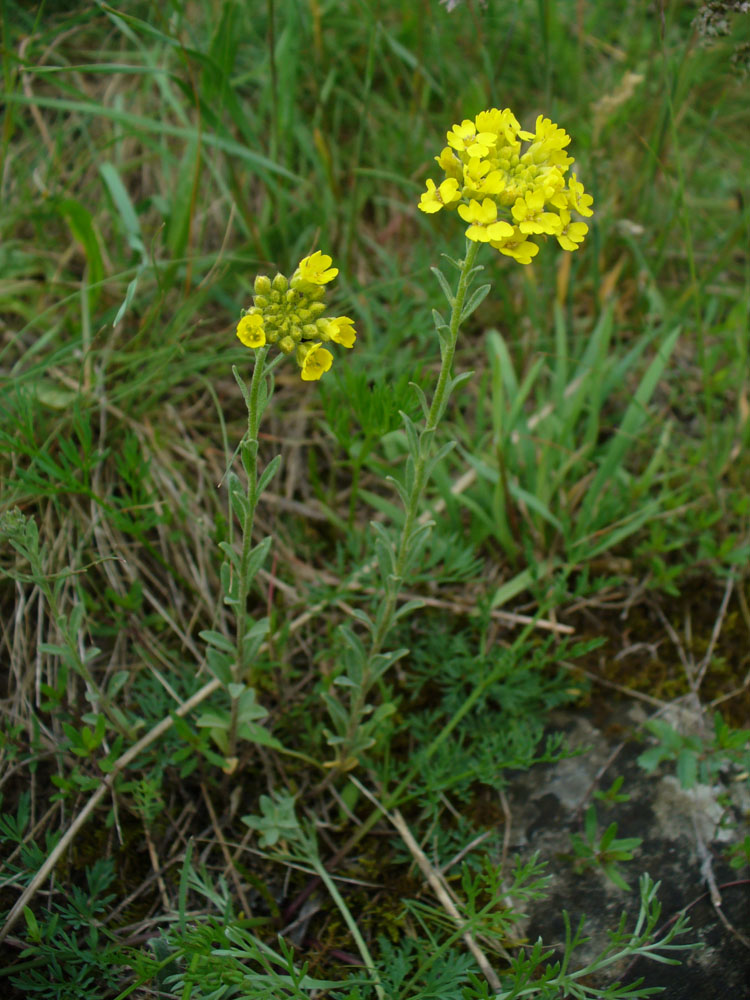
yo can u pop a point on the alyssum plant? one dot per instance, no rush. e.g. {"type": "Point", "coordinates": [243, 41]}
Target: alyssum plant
{"type": "Point", "coordinates": [510, 187]}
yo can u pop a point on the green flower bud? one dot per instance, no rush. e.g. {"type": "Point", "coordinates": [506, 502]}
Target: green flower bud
{"type": "Point", "coordinates": [261, 301]}
{"type": "Point", "coordinates": [316, 308]}
{"type": "Point", "coordinates": [262, 285]}
{"type": "Point", "coordinates": [287, 344]}
{"type": "Point", "coordinates": [311, 332]}
{"type": "Point", "coordinates": [280, 284]}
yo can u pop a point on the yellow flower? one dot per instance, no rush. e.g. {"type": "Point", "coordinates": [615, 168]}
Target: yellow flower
{"type": "Point", "coordinates": [314, 360]}
{"type": "Point", "coordinates": [483, 222]}
{"type": "Point", "coordinates": [517, 247]}
{"type": "Point", "coordinates": [435, 198]}
{"type": "Point", "coordinates": [450, 163]}
{"type": "Point", "coordinates": [466, 139]}
{"type": "Point", "coordinates": [341, 331]}
{"type": "Point", "coordinates": [250, 330]}
{"type": "Point", "coordinates": [316, 269]}
{"type": "Point", "coordinates": [530, 215]}
{"type": "Point", "coordinates": [577, 197]}
{"type": "Point", "coordinates": [479, 179]}
{"type": "Point", "coordinates": [509, 184]}
{"type": "Point", "coordinates": [501, 123]}
{"type": "Point", "coordinates": [572, 232]}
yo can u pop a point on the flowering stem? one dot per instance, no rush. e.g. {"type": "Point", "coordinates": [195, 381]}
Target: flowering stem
{"type": "Point", "coordinates": [250, 461]}
{"type": "Point", "coordinates": [385, 614]}
{"type": "Point", "coordinates": [433, 418]}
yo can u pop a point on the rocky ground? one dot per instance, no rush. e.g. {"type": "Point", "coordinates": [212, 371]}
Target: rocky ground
{"type": "Point", "coordinates": [683, 847]}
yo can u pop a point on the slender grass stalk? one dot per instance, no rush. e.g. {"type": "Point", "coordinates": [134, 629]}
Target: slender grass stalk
{"type": "Point", "coordinates": [349, 920]}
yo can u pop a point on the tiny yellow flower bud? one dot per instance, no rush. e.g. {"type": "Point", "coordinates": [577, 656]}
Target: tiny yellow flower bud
{"type": "Point", "coordinates": [262, 285]}
{"type": "Point", "coordinates": [280, 284]}
{"type": "Point", "coordinates": [287, 344]}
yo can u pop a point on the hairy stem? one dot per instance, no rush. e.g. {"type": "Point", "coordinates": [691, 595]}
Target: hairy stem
{"type": "Point", "coordinates": [386, 613]}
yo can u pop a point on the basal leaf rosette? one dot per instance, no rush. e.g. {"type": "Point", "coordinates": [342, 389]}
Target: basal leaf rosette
{"type": "Point", "coordinates": [290, 313]}
{"type": "Point", "coordinates": [510, 185]}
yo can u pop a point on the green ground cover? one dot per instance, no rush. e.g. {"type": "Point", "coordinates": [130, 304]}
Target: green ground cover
{"type": "Point", "coordinates": [218, 792]}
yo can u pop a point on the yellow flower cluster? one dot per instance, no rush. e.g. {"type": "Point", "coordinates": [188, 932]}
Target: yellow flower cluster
{"type": "Point", "coordinates": [290, 313]}
{"type": "Point", "coordinates": [504, 194]}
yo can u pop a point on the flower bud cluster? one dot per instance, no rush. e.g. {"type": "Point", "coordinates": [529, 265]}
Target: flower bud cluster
{"type": "Point", "coordinates": [507, 193]}
{"type": "Point", "coordinates": [289, 313]}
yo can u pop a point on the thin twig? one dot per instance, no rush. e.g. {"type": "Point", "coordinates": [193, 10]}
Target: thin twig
{"type": "Point", "coordinates": [434, 879]}
{"type": "Point", "coordinates": [436, 884]}
{"type": "Point", "coordinates": [107, 783]}
{"type": "Point", "coordinates": [231, 868]}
